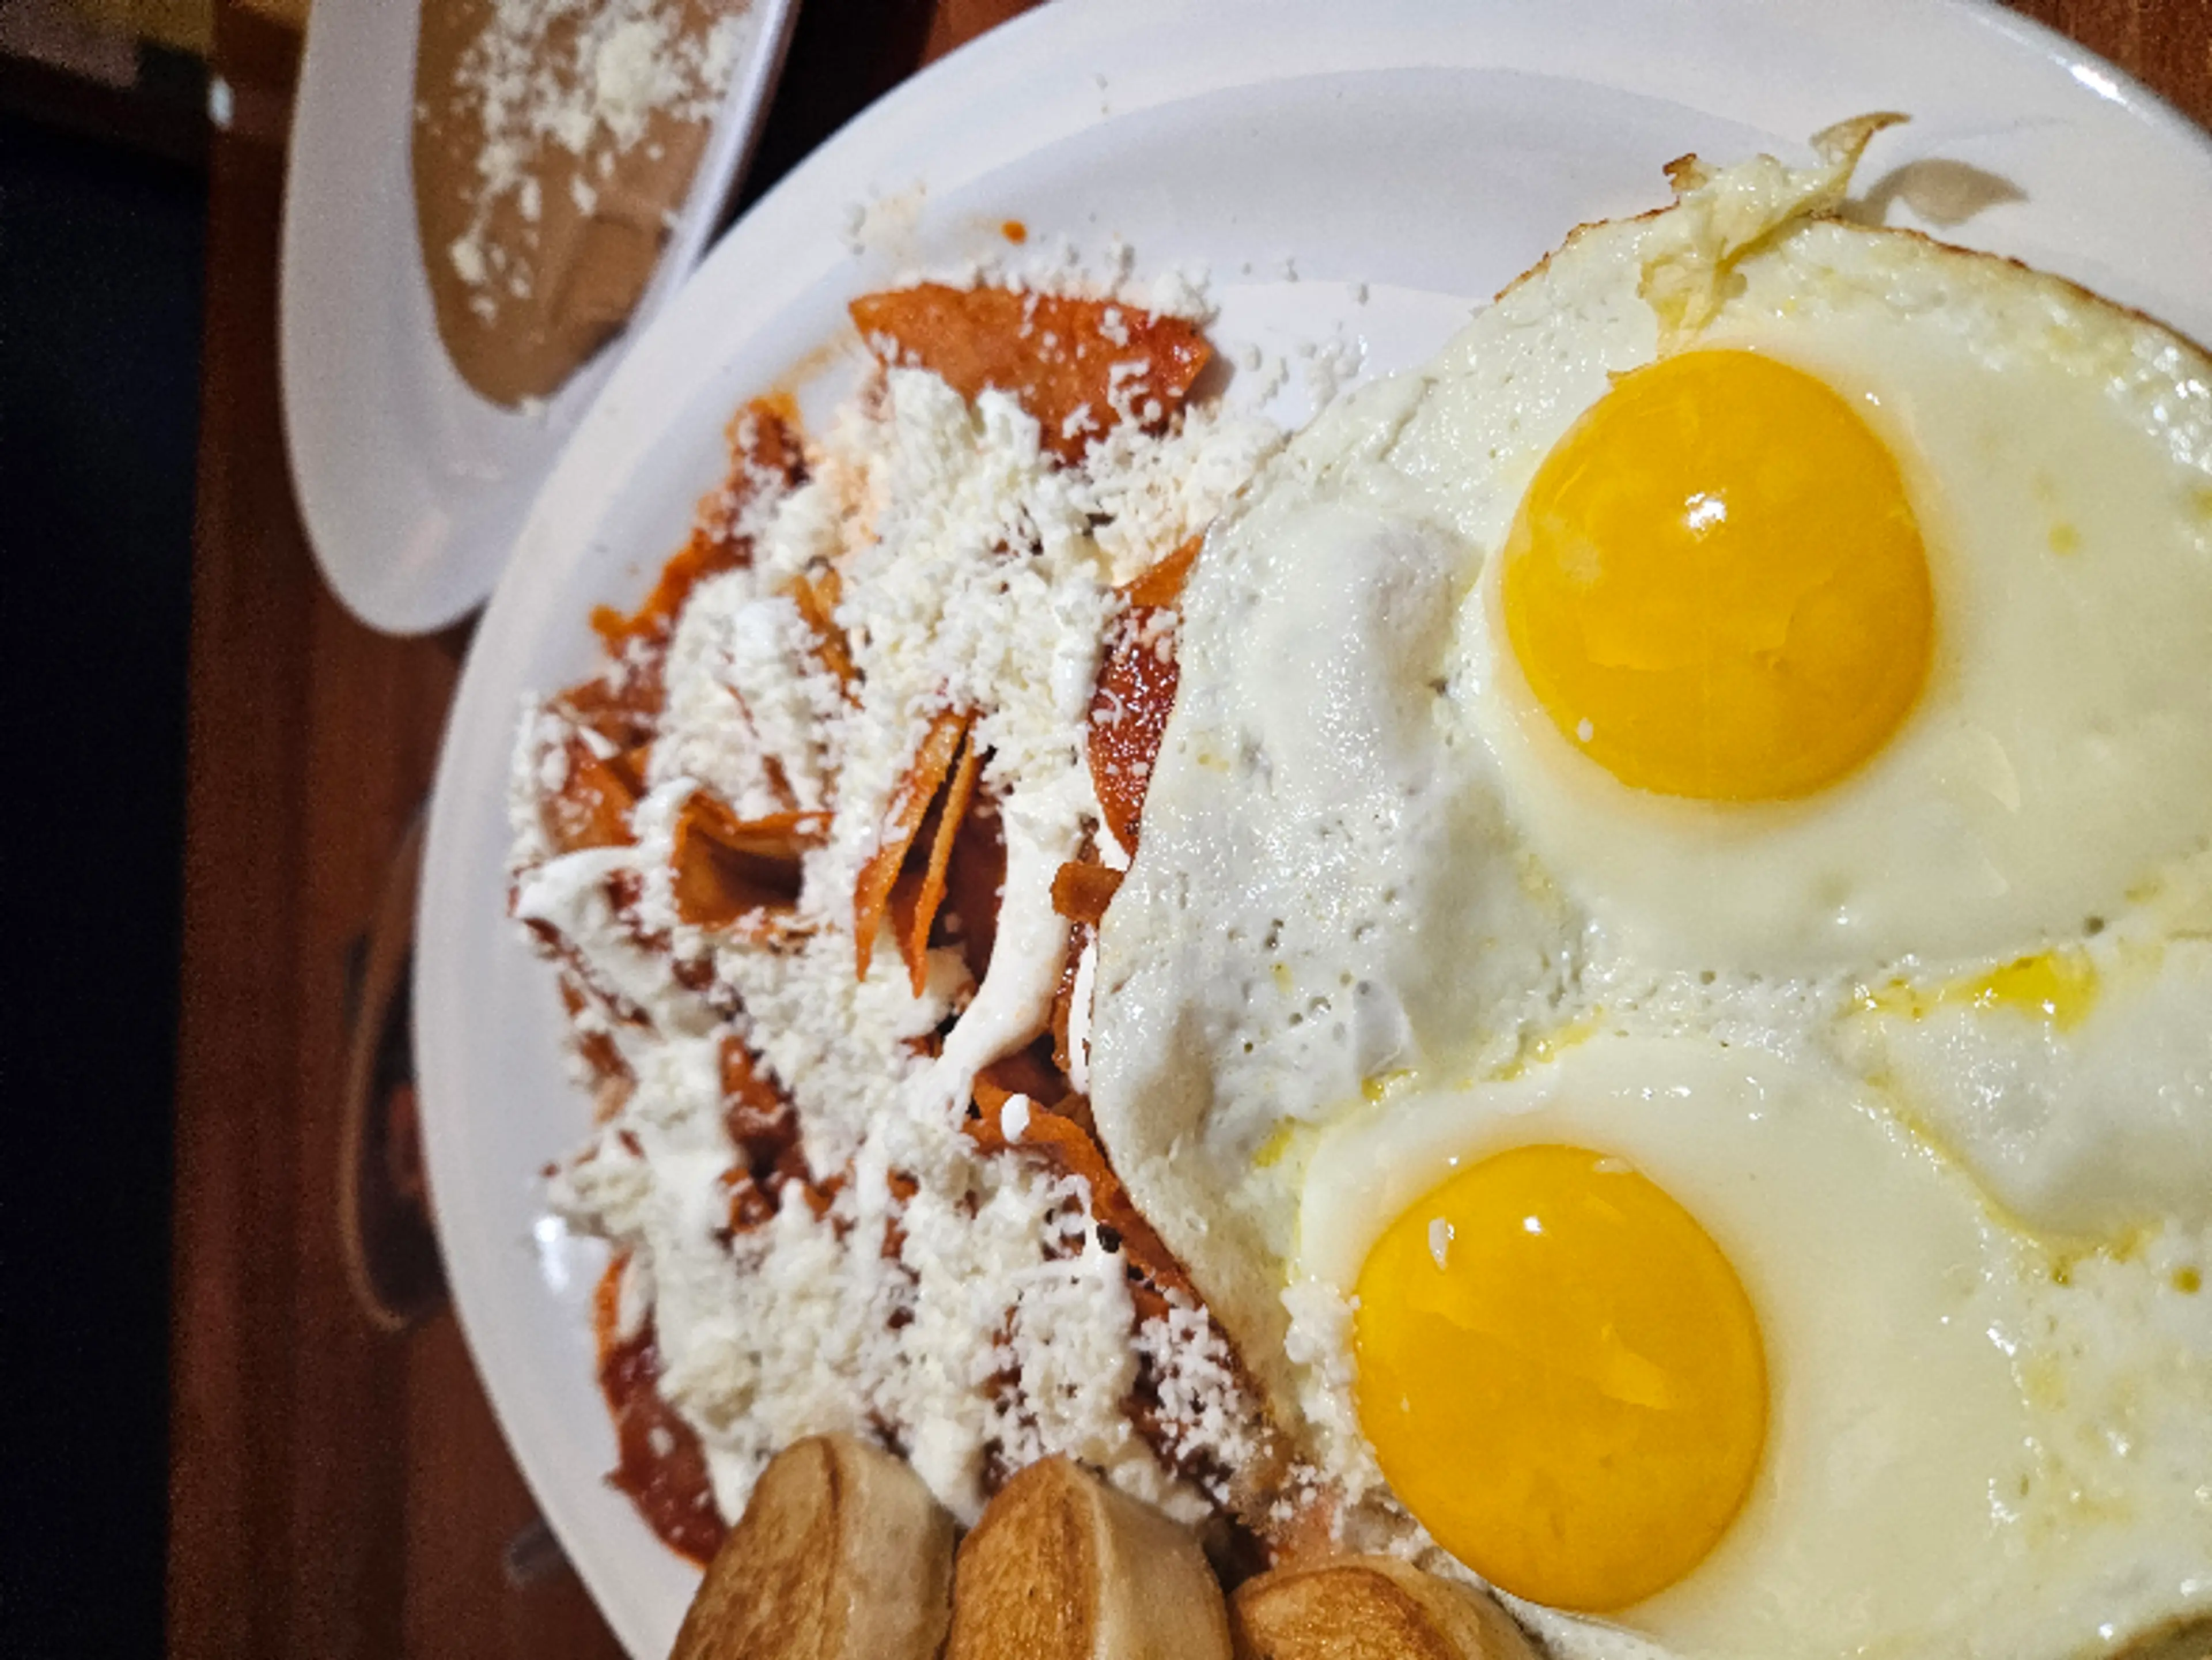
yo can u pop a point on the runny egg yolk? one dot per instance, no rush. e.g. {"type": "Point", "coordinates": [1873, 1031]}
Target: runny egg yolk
{"type": "Point", "coordinates": [1561, 1376]}
{"type": "Point", "coordinates": [1716, 585]}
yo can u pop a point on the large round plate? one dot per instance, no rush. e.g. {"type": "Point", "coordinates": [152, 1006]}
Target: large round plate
{"type": "Point", "coordinates": [1428, 149]}
{"type": "Point", "coordinates": [412, 485]}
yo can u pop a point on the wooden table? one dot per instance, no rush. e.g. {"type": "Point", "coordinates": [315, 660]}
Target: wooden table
{"type": "Point", "coordinates": [335, 1492]}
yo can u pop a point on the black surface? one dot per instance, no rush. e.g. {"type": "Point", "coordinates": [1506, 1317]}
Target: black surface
{"type": "Point", "coordinates": [844, 54]}
{"type": "Point", "coordinates": [162, 119]}
{"type": "Point", "coordinates": [100, 333]}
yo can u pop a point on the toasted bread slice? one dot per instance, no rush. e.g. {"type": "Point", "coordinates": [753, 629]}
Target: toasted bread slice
{"type": "Point", "coordinates": [1064, 1568]}
{"type": "Point", "coordinates": [842, 1554]}
{"type": "Point", "coordinates": [1370, 1608]}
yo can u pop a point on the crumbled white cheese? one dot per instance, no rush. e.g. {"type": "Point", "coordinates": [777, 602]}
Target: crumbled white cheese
{"type": "Point", "coordinates": [1155, 493]}
{"type": "Point", "coordinates": [1330, 367]}
{"type": "Point", "coordinates": [843, 1048]}
{"type": "Point", "coordinates": [708, 732]}
{"type": "Point", "coordinates": [980, 588]}
{"type": "Point", "coordinates": [790, 698]}
{"type": "Point", "coordinates": [976, 574]}
{"type": "Point", "coordinates": [1318, 1345]}
{"type": "Point", "coordinates": [468, 258]}
{"type": "Point", "coordinates": [1199, 1389]}
{"type": "Point", "coordinates": [1060, 268]}
{"type": "Point", "coordinates": [538, 770]}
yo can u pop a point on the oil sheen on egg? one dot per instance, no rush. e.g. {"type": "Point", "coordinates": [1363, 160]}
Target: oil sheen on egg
{"type": "Point", "coordinates": [2076, 1081]}
{"type": "Point", "coordinates": [1556, 1378]}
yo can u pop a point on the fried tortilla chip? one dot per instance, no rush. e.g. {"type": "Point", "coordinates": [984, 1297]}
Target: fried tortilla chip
{"type": "Point", "coordinates": [817, 600]}
{"type": "Point", "coordinates": [592, 806]}
{"type": "Point", "coordinates": [726, 868]}
{"type": "Point", "coordinates": [764, 455]}
{"type": "Point", "coordinates": [1136, 693]}
{"type": "Point", "coordinates": [1161, 583]}
{"type": "Point", "coordinates": [952, 811]}
{"type": "Point", "coordinates": [1081, 892]}
{"type": "Point", "coordinates": [1080, 367]}
{"type": "Point", "coordinates": [1058, 1132]}
{"type": "Point", "coordinates": [662, 1465]}
{"type": "Point", "coordinates": [910, 803]}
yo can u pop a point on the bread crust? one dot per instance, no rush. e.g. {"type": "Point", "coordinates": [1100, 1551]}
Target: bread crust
{"type": "Point", "coordinates": [1061, 1567]}
{"type": "Point", "coordinates": [1369, 1608]}
{"type": "Point", "coordinates": [842, 1554]}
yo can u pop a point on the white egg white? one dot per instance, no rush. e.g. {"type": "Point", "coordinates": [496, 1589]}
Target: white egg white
{"type": "Point", "coordinates": [1325, 886]}
{"type": "Point", "coordinates": [1931, 1430]}
{"type": "Point", "coordinates": [1367, 853]}
{"type": "Point", "coordinates": [2092, 1121]}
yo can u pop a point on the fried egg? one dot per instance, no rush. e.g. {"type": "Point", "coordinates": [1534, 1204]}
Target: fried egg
{"type": "Point", "coordinates": [1705, 1341]}
{"type": "Point", "coordinates": [1861, 617]}
{"type": "Point", "coordinates": [1719, 760]}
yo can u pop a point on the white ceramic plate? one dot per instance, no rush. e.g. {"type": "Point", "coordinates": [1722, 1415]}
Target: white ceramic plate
{"type": "Point", "coordinates": [412, 485]}
{"type": "Point", "coordinates": [1428, 149]}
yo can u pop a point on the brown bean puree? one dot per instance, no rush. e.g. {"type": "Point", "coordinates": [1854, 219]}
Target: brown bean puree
{"type": "Point", "coordinates": [553, 142]}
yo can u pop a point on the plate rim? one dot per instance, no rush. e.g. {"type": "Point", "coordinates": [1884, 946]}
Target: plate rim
{"type": "Point", "coordinates": [323, 465]}
{"type": "Point", "coordinates": [809, 191]}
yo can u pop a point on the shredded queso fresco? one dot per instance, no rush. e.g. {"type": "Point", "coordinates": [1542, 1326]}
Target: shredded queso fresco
{"type": "Point", "coordinates": [819, 851]}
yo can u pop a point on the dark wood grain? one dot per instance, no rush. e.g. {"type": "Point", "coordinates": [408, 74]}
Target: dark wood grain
{"type": "Point", "coordinates": [245, 859]}
{"type": "Point", "coordinates": [2165, 44]}
{"type": "Point", "coordinates": [334, 1492]}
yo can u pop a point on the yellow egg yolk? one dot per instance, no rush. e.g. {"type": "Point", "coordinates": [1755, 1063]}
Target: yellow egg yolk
{"type": "Point", "coordinates": [1716, 585]}
{"type": "Point", "coordinates": [1561, 1376]}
